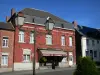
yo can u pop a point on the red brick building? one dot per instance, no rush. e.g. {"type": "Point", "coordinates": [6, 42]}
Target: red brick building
{"type": "Point", "coordinates": [58, 46]}
{"type": "Point", "coordinates": [6, 45]}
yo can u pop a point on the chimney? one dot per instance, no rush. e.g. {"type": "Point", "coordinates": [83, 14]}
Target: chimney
{"type": "Point", "coordinates": [12, 11]}
{"type": "Point", "coordinates": [75, 24]}
{"type": "Point", "coordinates": [7, 18]}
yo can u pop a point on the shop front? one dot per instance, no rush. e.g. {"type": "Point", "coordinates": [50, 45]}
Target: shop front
{"type": "Point", "coordinates": [47, 57]}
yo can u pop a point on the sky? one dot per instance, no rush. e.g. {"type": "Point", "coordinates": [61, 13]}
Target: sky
{"type": "Point", "coordinates": [85, 12]}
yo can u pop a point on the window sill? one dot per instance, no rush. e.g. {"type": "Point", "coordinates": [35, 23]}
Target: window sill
{"type": "Point", "coordinates": [71, 46]}
{"type": "Point", "coordinates": [26, 61]}
{"type": "Point", "coordinates": [5, 47]}
{"type": "Point", "coordinates": [62, 45]}
{"type": "Point", "coordinates": [49, 44]}
{"type": "Point", "coordinates": [21, 42]}
{"type": "Point", "coordinates": [31, 43]}
{"type": "Point", "coordinates": [4, 65]}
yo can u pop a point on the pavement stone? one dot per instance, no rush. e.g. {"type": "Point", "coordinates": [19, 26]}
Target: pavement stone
{"type": "Point", "coordinates": [37, 71]}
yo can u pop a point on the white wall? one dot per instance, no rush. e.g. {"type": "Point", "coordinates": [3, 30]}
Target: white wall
{"type": "Point", "coordinates": [85, 48]}
{"type": "Point", "coordinates": [83, 45]}
{"type": "Point", "coordinates": [24, 66]}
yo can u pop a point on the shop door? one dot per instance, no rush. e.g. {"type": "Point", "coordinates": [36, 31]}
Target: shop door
{"type": "Point", "coordinates": [70, 59]}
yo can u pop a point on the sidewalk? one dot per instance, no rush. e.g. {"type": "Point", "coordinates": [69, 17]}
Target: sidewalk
{"type": "Point", "coordinates": [37, 71]}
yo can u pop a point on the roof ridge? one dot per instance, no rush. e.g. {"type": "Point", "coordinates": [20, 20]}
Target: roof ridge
{"type": "Point", "coordinates": [87, 26]}
{"type": "Point", "coordinates": [37, 9]}
{"type": "Point", "coordinates": [58, 17]}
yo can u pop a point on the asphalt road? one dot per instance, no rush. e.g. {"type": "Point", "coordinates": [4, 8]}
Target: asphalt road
{"type": "Point", "coordinates": [65, 71]}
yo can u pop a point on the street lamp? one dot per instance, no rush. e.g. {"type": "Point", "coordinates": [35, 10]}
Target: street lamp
{"type": "Point", "coordinates": [49, 24]}
{"type": "Point", "coordinates": [49, 27]}
{"type": "Point", "coordinates": [19, 21]}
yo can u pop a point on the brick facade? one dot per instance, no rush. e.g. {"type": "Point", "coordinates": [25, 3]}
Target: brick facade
{"type": "Point", "coordinates": [9, 49]}
{"type": "Point", "coordinates": [41, 41]}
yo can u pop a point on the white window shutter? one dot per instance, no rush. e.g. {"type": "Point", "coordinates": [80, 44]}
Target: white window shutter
{"type": "Point", "coordinates": [63, 40]}
{"type": "Point", "coordinates": [48, 39]}
{"type": "Point", "coordinates": [70, 41]}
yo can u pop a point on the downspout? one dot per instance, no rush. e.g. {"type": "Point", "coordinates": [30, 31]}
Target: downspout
{"type": "Point", "coordinates": [14, 48]}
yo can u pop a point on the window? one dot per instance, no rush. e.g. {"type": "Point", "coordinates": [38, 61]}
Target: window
{"type": "Point", "coordinates": [99, 54]}
{"type": "Point", "coordinates": [21, 36]}
{"type": "Point", "coordinates": [87, 40]}
{"type": "Point", "coordinates": [4, 60]}
{"type": "Point", "coordinates": [49, 39]}
{"type": "Point", "coordinates": [5, 42]}
{"type": "Point", "coordinates": [93, 43]}
{"type": "Point", "coordinates": [63, 40]}
{"type": "Point", "coordinates": [87, 53]}
{"type": "Point", "coordinates": [26, 58]}
{"type": "Point", "coordinates": [97, 41]}
{"type": "Point", "coordinates": [31, 37]}
{"type": "Point", "coordinates": [95, 53]}
{"type": "Point", "coordinates": [70, 58]}
{"type": "Point", "coordinates": [70, 41]}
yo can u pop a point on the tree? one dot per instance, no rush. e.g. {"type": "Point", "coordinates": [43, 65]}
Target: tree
{"type": "Point", "coordinates": [86, 66]}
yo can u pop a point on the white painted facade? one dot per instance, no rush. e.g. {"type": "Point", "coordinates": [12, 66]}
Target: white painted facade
{"type": "Point", "coordinates": [86, 48]}
{"type": "Point", "coordinates": [24, 66]}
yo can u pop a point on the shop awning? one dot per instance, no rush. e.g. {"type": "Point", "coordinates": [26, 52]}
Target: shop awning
{"type": "Point", "coordinates": [53, 53]}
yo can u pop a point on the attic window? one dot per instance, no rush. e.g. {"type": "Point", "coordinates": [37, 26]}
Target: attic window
{"type": "Point", "coordinates": [33, 20]}
{"type": "Point", "coordinates": [62, 25]}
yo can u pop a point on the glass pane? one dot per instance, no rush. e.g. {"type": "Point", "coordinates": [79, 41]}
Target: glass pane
{"type": "Point", "coordinates": [70, 58]}
{"type": "Point", "coordinates": [3, 42]}
{"type": "Point", "coordinates": [4, 59]}
{"type": "Point", "coordinates": [24, 57]}
{"type": "Point", "coordinates": [70, 41]}
{"type": "Point", "coordinates": [28, 57]}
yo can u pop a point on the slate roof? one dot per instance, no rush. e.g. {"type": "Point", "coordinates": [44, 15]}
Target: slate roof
{"type": "Point", "coordinates": [89, 32]}
{"type": "Point", "coordinates": [6, 26]}
{"type": "Point", "coordinates": [38, 16]}
{"type": "Point", "coordinates": [40, 13]}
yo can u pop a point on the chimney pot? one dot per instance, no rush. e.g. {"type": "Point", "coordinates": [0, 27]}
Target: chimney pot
{"type": "Point", "coordinates": [7, 18]}
{"type": "Point", "coordinates": [12, 11]}
{"type": "Point", "coordinates": [75, 24]}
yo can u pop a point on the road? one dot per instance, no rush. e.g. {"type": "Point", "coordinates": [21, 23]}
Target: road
{"type": "Point", "coordinates": [63, 71]}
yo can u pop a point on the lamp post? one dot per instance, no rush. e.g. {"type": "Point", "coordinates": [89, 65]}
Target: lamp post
{"type": "Point", "coordinates": [19, 21]}
{"type": "Point", "coordinates": [48, 26]}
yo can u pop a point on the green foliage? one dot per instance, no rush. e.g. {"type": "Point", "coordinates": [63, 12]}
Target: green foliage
{"type": "Point", "coordinates": [43, 59]}
{"type": "Point", "coordinates": [86, 66]}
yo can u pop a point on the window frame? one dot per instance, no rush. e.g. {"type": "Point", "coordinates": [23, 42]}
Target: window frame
{"type": "Point", "coordinates": [63, 40]}
{"type": "Point", "coordinates": [3, 59]}
{"type": "Point", "coordinates": [95, 54]}
{"type": "Point", "coordinates": [31, 37]}
{"type": "Point", "coordinates": [26, 58]}
{"type": "Point", "coordinates": [93, 42]}
{"type": "Point", "coordinates": [48, 37]}
{"type": "Point", "coordinates": [87, 42]}
{"type": "Point", "coordinates": [21, 36]}
{"type": "Point", "coordinates": [97, 41]}
{"type": "Point", "coordinates": [6, 42]}
{"type": "Point", "coordinates": [70, 41]}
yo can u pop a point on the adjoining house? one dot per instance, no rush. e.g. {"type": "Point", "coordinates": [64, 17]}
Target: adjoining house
{"type": "Point", "coordinates": [57, 46]}
{"type": "Point", "coordinates": [6, 46]}
{"type": "Point", "coordinates": [87, 42]}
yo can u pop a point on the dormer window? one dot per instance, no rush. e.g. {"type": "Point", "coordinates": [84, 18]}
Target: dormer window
{"type": "Point", "coordinates": [33, 20]}
{"type": "Point", "coordinates": [62, 25]}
